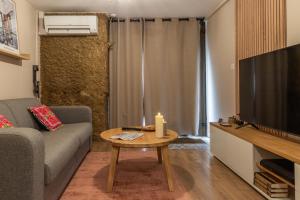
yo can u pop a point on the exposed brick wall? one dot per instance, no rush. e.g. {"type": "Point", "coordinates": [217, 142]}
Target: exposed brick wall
{"type": "Point", "coordinates": [74, 71]}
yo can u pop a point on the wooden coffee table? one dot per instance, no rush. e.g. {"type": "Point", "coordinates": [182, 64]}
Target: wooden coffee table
{"type": "Point", "coordinates": [147, 141]}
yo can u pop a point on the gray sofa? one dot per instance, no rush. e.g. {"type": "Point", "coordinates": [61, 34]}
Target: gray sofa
{"type": "Point", "coordinates": [36, 164]}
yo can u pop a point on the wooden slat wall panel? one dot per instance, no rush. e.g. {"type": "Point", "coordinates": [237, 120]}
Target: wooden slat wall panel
{"type": "Point", "coordinates": [260, 28]}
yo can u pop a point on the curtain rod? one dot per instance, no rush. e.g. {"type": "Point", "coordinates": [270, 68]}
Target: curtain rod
{"type": "Point", "coordinates": [114, 19]}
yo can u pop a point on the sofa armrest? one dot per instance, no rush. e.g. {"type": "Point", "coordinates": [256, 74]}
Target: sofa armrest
{"type": "Point", "coordinates": [21, 164]}
{"type": "Point", "coordinates": [73, 114]}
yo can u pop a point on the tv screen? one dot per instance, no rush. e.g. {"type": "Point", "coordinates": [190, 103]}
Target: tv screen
{"type": "Point", "coordinates": [270, 89]}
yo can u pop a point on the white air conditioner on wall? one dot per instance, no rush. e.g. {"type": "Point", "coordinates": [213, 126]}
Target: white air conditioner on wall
{"type": "Point", "coordinates": [71, 25]}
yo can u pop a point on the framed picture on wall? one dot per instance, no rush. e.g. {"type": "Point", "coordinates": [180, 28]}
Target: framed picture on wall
{"type": "Point", "coordinates": [9, 39]}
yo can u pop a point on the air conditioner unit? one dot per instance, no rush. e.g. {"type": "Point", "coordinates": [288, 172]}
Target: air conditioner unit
{"type": "Point", "coordinates": [71, 24]}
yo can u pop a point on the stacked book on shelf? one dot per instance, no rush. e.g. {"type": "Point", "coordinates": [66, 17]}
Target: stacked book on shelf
{"type": "Point", "coordinates": [270, 185]}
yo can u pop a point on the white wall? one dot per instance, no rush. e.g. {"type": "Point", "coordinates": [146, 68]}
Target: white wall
{"type": "Point", "coordinates": [293, 22]}
{"type": "Point", "coordinates": [16, 79]}
{"type": "Point", "coordinates": [220, 63]}
{"type": "Point", "coordinates": [221, 55]}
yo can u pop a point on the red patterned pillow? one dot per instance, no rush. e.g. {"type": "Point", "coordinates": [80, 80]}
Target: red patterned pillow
{"type": "Point", "coordinates": [4, 123]}
{"type": "Point", "coordinates": [46, 117]}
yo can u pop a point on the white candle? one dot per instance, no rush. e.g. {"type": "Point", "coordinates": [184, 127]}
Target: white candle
{"type": "Point", "coordinates": [159, 126]}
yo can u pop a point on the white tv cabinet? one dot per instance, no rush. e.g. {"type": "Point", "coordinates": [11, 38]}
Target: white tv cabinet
{"type": "Point", "coordinates": [242, 149]}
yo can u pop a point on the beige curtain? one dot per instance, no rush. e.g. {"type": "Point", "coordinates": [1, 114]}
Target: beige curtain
{"type": "Point", "coordinates": [171, 70]}
{"type": "Point", "coordinates": [126, 85]}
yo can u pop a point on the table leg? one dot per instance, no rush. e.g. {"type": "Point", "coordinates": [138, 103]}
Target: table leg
{"type": "Point", "coordinates": [118, 155]}
{"type": "Point", "coordinates": [112, 168]}
{"type": "Point", "coordinates": [167, 165]}
{"type": "Point", "coordinates": [159, 154]}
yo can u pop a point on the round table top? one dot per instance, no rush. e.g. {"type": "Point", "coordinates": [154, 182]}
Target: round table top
{"type": "Point", "coordinates": [147, 140]}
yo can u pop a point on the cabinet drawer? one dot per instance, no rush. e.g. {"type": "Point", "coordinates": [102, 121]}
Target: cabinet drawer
{"type": "Point", "coordinates": [234, 152]}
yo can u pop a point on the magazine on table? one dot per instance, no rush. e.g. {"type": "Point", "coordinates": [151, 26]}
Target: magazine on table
{"type": "Point", "coordinates": [127, 136]}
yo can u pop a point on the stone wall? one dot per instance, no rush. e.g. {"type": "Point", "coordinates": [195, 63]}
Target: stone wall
{"type": "Point", "coordinates": [74, 71]}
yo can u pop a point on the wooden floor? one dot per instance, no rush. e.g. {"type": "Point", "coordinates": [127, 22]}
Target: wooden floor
{"type": "Point", "coordinates": [205, 177]}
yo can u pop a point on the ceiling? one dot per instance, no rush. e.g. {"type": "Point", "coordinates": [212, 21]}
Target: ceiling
{"type": "Point", "coordinates": [133, 8]}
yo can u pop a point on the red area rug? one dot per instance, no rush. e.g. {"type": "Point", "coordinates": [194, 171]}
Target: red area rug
{"type": "Point", "coordinates": [138, 177]}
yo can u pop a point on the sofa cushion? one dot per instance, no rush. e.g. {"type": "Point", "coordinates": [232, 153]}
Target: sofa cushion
{"type": "Point", "coordinates": [19, 109]}
{"type": "Point", "coordinates": [4, 122]}
{"type": "Point", "coordinates": [46, 117]}
{"type": "Point", "coordinates": [5, 111]}
{"type": "Point", "coordinates": [62, 145]}
{"type": "Point", "coordinates": [82, 131]}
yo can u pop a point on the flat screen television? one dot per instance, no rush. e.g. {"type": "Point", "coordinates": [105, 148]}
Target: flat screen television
{"type": "Point", "coordinates": [270, 89]}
